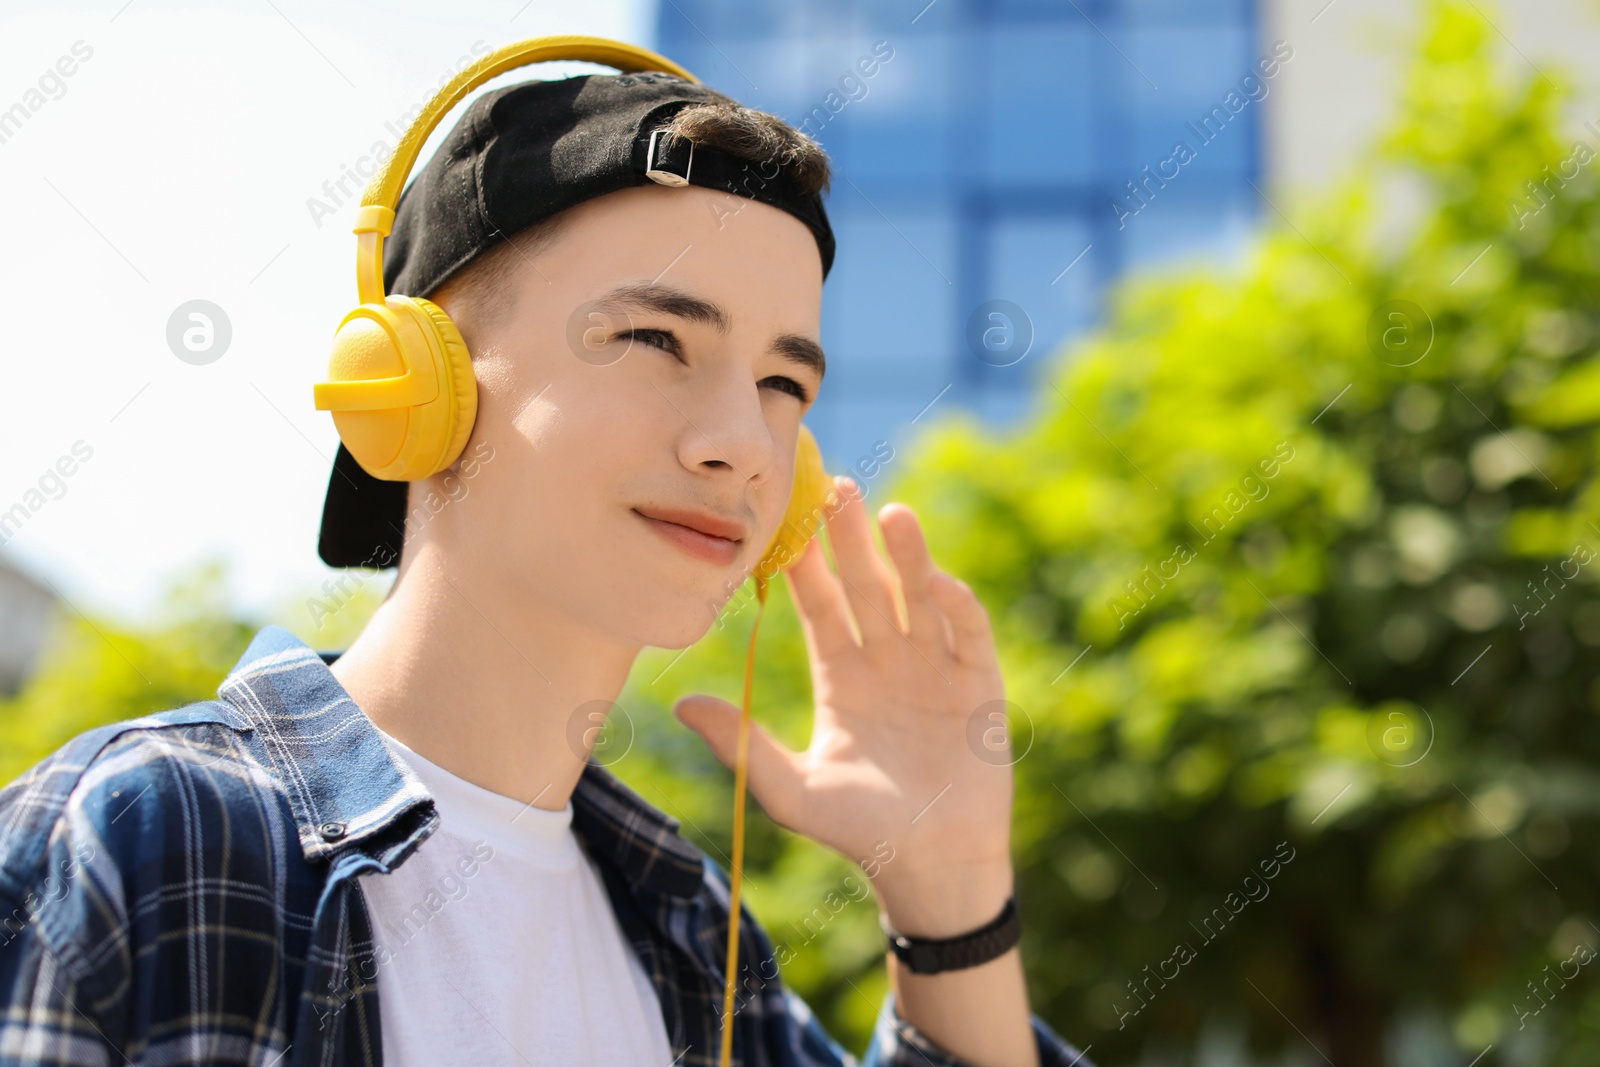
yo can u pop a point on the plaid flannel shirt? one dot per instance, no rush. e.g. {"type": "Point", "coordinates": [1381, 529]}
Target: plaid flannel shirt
{"type": "Point", "coordinates": [182, 888]}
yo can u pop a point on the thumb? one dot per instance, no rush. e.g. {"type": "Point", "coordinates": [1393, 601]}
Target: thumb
{"type": "Point", "coordinates": [774, 774]}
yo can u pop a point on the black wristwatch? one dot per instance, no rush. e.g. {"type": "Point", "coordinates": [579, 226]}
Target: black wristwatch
{"type": "Point", "coordinates": [928, 956]}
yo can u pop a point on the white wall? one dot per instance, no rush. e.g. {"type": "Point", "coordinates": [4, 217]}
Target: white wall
{"type": "Point", "coordinates": [1349, 57]}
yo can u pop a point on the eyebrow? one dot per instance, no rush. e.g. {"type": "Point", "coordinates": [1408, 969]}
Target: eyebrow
{"type": "Point", "coordinates": [667, 300]}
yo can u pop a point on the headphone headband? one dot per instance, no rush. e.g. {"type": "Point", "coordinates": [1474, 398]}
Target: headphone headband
{"type": "Point", "coordinates": [382, 195]}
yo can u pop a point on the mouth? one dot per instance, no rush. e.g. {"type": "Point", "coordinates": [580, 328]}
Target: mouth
{"type": "Point", "coordinates": [697, 534]}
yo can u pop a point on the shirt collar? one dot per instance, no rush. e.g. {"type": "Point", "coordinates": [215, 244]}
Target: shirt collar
{"type": "Point", "coordinates": [347, 791]}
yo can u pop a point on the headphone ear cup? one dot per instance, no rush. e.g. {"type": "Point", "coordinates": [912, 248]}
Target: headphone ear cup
{"type": "Point", "coordinates": [812, 496]}
{"type": "Point", "coordinates": [458, 395]}
{"type": "Point", "coordinates": [408, 336]}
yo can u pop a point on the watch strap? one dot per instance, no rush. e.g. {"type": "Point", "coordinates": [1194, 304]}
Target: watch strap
{"type": "Point", "coordinates": [934, 955]}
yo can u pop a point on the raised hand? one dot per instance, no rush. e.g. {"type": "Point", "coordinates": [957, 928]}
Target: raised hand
{"type": "Point", "coordinates": [905, 678]}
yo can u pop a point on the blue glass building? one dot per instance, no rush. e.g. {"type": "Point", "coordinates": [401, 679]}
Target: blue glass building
{"type": "Point", "coordinates": [980, 150]}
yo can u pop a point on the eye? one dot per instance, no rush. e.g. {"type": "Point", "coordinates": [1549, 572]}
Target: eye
{"type": "Point", "coordinates": [665, 340]}
{"type": "Point", "coordinates": [787, 385]}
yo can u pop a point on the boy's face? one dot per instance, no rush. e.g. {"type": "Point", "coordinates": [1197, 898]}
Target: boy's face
{"type": "Point", "coordinates": [648, 366]}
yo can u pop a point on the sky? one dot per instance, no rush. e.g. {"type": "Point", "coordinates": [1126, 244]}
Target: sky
{"type": "Point", "coordinates": [177, 162]}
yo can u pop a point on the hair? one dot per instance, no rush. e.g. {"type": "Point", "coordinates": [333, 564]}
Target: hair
{"type": "Point", "coordinates": [483, 288]}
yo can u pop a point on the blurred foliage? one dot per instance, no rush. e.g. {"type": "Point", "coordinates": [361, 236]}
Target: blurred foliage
{"type": "Point", "coordinates": [97, 671]}
{"type": "Point", "coordinates": [1280, 567]}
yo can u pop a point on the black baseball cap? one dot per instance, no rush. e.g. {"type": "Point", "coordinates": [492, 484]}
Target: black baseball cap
{"type": "Point", "coordinates": [517, 156]}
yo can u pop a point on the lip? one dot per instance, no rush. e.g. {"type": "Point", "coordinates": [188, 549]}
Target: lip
{"type": "Point", "coordinates": [698, 533]}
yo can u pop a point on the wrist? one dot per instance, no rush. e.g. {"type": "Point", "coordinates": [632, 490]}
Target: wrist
{"type": "Point", "coordinates": [947, 902]}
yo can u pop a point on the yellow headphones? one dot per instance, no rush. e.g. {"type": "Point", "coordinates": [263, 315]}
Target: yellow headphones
{"type": "Point", "coordinates": [404, 397]}
{"type": "Point", "coordinates": [401, 386]}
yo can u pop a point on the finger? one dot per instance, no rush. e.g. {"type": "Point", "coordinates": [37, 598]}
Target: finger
{"type": "Point", "coordinates": [819, 597]}
{"type": "Point", "coordinates": [902, 533]}
{"type": "Point", "coordinates": [774, 770]}
{"type": "Point", "coordinates": [868, 583]}
{"type": "Point", "coordinates": [969, 620]}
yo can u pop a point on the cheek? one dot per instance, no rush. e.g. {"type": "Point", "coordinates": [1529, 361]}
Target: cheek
{"type": "Point", "coordinates": [581, 463]}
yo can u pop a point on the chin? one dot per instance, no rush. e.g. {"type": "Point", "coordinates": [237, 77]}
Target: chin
{"type": "Point", "coordinates": [677, 614]}
{"type": "Point", "coordinates": [681, 631]}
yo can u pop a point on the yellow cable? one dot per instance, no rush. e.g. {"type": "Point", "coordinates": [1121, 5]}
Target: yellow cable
{"type": "Point", "coordinates": [740, 776]}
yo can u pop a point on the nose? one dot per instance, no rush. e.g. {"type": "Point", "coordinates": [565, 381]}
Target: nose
{"type": "Point", "coordinates": [725, 428]}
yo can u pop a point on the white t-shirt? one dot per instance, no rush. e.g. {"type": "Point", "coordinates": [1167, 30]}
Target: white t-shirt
{"type": "Point", "coordinates": [496, 943]}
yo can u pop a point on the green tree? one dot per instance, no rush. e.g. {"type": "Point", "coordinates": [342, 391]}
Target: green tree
{"type": "Point", "coordinates": [97, 671]}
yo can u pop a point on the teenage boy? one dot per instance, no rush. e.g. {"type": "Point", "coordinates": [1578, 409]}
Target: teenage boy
{"type": "Point", "coordinates": [403, 854]}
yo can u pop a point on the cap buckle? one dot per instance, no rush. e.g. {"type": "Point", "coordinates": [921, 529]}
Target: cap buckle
{"type": "Point", "coordinates": [666, 177]}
